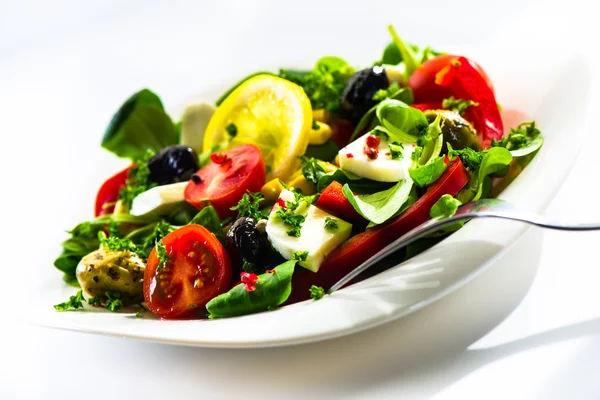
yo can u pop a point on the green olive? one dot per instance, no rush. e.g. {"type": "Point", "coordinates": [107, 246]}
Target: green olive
{"type": "Point", "coordinates": [456, 130]}
{"type": "Point", "coordinates": [112, 271]}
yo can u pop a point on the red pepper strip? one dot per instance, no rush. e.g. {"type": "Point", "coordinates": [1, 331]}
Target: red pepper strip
{"type": "Point", "coordinates": [364, 245]}
{"type": "Point", "coordinates": [109, 193]}
{"type": "Point", "coordinates": [468, 84]}
{"type": "Point", "coordinates": [332, 200]}
{"type": "Point", "coordinates": [428, 106]}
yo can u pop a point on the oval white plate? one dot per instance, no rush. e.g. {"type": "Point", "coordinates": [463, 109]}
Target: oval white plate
{"type": "Point", "coordinates": [556, 96]}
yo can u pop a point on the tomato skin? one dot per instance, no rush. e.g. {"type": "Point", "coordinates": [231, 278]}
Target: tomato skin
{"type": "Point", "coordinates": [223, 185]}
{"type": "Point", "coordinates": [198, 270]}
{"type": "Point", "coordinates": [422, 81]}
{"type": "Point", "coordinates": [359, 248]}
{"type": "Point", "coordinates": [333, 200]}
{"type": "Point", "coordinates": [109, 192]}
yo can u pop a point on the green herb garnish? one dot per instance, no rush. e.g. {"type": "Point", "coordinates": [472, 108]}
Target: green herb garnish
{"type": "Point", "coordinates": [231, 129]}
{"type": "Point", "coordinates": [75, 302]}
{"type": "Point", "coordinates": [312, 170]}
{"type": "Point", "coordinates": [138, 180]}
{"type": "Point", "coordinates": [523, 140]}
{"type": "Point", "coordinates": [300, 256]}
{"type": "Point", "coordinates": [331, 224]}
{"type": "Point", "coordinates": [162, 254]}
{"type": "Point", "coordinates": [458, 105]}
{"type": "Point", "coordinates": [316, 292]}
{"type": "Point", "coordinates": [396, 151]}
{"type": "Point", "coordinates": [324, 84]}
{"type": "Point", "coordinates": [249, 205]}
{"type": "Point", "coordinates": [113, 301]}
{"type": "Point", "coordinates": [295, 221]}
{"type": "Point", "coordinates": [114, 243]}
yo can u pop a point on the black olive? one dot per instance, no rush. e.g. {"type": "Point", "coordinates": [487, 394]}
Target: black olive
{"type": "Point", "coordinates": [456, 130]}
{"type": "Point", "coordinates": [357, 96]}
{"type": "Point", "coordinates": [173, 164]}
{"type": "Point", "coordinates": [252, 244]}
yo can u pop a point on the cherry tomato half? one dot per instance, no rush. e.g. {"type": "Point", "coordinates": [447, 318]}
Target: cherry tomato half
{"type": "Point", "coordinates": [198, 269]}
{"type": "Point", "coordinates": [422, 81]}
{"type": "Point", "coordinates": [223, 182]}
{"type": "Point", "coordinates": [108, 193]}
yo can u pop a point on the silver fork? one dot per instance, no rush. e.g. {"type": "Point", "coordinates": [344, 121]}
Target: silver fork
{"type": "Point", "coordinates": [487, 208]}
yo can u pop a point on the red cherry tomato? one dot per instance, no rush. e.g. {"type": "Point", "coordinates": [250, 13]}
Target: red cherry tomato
{"type": "Point", "coordinates": [108, 193]}
{"type": "Point", "coordinates": [198, 269]}
{"type": "Point", "coordinates": [422, 81]}
{"type": "Point", "coordinates": [223, 182]}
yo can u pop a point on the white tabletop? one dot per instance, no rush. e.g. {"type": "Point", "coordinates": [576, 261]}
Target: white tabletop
{"type": "Point", "coordinates": [528, 328]}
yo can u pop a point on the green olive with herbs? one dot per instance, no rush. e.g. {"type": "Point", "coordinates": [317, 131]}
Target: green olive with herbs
{"type": "Point", "coordinates": [456, 130]}
{"type": "Point", "coordinates": [112, 271]}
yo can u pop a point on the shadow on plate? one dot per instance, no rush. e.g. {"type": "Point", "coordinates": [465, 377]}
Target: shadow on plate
{"type": "Point", "coordinates": [422, 346]}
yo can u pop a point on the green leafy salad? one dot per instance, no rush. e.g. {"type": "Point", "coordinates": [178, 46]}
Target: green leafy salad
{"type": "Point", "coordinates": [288, 182]}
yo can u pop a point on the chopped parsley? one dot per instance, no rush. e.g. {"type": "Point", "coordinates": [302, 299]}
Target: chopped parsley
{"type": "Point", "coordinates": [115, 243]}
{"type": "Point", "coordinates": [288, 217]}
{"type": "Point", "coordinates": [94, 301]}
{"type": "Point", "coordinates": [300, 256]}
{"type": "Point", "coordinates": [416, 154]}
{"type": "Point", "coordinates": [138, 180]}
{"type": "Point", "coordinates": [114, 229]}
{"type": "Point", "coordinates": [396, 150]}
{"type": "Point", "coordinates": [470, 158]}
{"type": "Point", "coordinates": [458, 105]}
{"type": "Point", "coordinates": [331, 224]}
{"type": "Point", "coordinates": [75, 302]}
{"type": "Point", "coordinates": [161, 253]}
{"type": "Point", "coordinates": [161, 229]}
{"type": "Point", "coordinates": [139, 315]}
{"type": "Point", "coordinates": [324, 84]}
{"type": "Point", "coordinates": [316, 292]}
{"type": "Point", "coordinates": [383, 94]}
{"type": "Point", "coordinates": [249, 205]}
{"type": "Point", "coordinates": [113, 301]}
{"type": "Point", "coordinates": [315, 125]}
{"type": "Point", "coordinates": [231, 129]}
{"type": "Point", "coordinates": [519, 137]}
{"type": "Point", "coordinates": [312, 170]}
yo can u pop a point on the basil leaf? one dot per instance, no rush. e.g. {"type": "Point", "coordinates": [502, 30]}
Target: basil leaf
{"type": "Point", "coordinates": [356, 183]}
{"type": "Point", "coordinates": [141, 124]}
{"type": "Point", "coordinates": [391, 55]}
{"type": "Point", "coordinates": [326, 151]}
{"type": "Point", "coordinates": [403, 122]}
{"type": "Point", "coordinates": [366, 123]}
{"type": "Point", "coordinates": [381, 206]}
{"type": "Point", "coordinates": [495, 160]}
{"type": "Point", "coordinates": [446, 206]}
{"type": "Point", "coordinates": [209, 219]}
{"type": "Point", "coordinates": [272, 289]}
{"type": "Point", "coordinates": [529, 148]}
{"type": "Point", "coordinates": [427, 174]}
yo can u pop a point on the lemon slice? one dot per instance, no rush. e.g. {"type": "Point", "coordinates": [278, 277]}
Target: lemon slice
{"type": "Point", "coordinates": [270, 112]}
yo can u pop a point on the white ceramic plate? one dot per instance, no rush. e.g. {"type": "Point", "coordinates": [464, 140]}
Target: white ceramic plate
{"type": "Point", "coordinates": [556, 96]}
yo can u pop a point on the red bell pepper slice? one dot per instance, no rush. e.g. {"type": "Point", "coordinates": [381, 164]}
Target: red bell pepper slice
{"type": "Point", "coordinates": [108, 194]}
{"type": "Point", "coordinates": [359, 248]}
{"type": "Point", "coordinates": [332, 200]}
{"type": "Point", "coordinates": [428, 106]}
{"type": "Point", "coordinates": [467, 83]}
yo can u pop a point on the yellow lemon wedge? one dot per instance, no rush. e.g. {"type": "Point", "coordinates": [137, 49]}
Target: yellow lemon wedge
{"type": "Point", "coordinates": [270, 112]}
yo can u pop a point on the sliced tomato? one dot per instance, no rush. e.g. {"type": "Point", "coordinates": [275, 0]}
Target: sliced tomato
{"type": "Point", "coordinates": [108, 194]}
{"type": "Point", "coordinates": [223, 182]}
{"type": "Point", "coordinates": [198, 269]}
{"type": "Point", "coordinates": [361, 247]}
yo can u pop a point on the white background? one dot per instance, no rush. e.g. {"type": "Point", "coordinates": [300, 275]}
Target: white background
{"type": "Point", "coordinates": [529, 328]}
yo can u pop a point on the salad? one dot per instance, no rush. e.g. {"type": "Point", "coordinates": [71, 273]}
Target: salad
{"type": "Point", "coordinates": [289, 181]}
